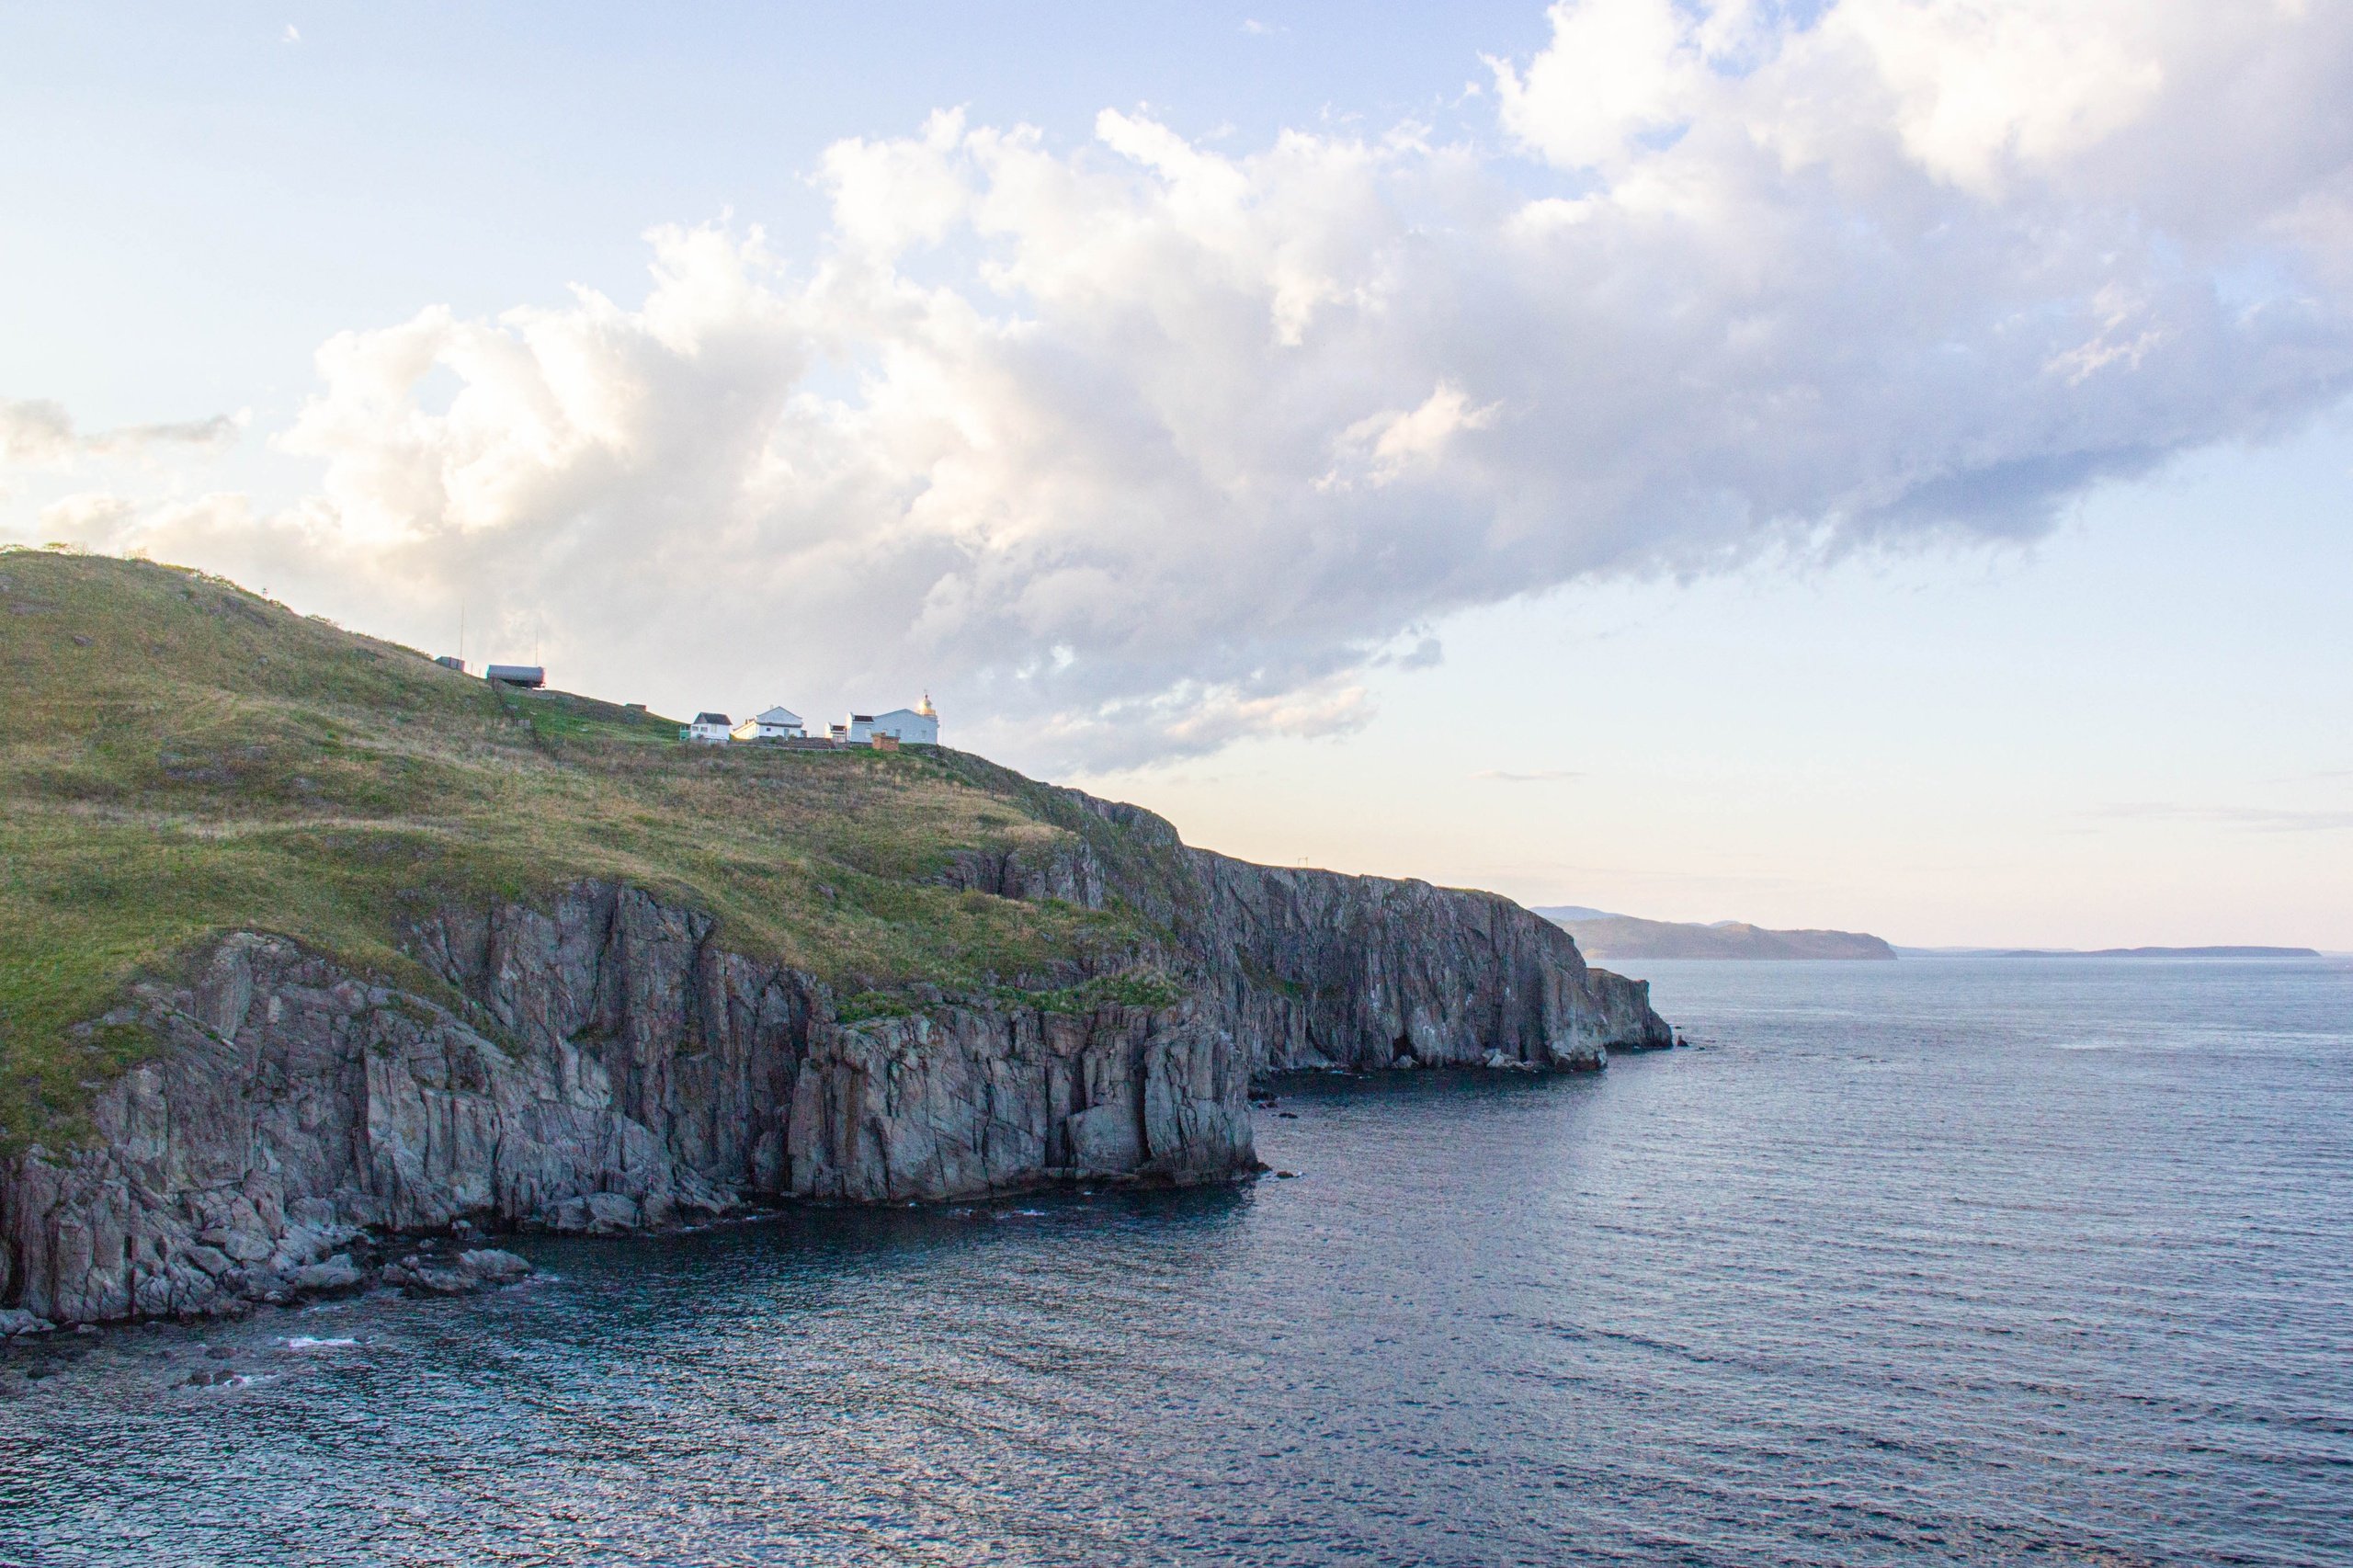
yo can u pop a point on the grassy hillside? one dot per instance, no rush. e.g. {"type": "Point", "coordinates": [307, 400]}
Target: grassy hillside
{"type": "Point", "coordinates": [179, 757]}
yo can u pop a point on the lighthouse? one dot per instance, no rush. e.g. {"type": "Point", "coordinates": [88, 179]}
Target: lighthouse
{"type": "Point", "coordinates": [909, 726]}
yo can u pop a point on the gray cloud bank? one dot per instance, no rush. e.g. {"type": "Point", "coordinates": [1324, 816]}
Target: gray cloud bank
{"type": "Point", "coordinates": [37, 433]}
{"type": "Point", "coordinates": [1138, 447]}
{"type": "Point", "coordinates": [2260, 819]}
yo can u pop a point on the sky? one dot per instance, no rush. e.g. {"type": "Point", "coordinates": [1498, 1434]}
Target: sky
{"type": "Point", "coordinates": [1879, 464]}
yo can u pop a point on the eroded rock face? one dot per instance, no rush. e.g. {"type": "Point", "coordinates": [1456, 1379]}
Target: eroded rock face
{"type": "Point", "coordinates": [605, 1065]}
{"type": "Point", "coordinates": [1323, 970]}
{"type": "Point", "coordinates": [968, 1100]}
{"type": "Point", "coordinates": [1316, 969]}
{"type": "Point", "coordinates": [613, 1072]}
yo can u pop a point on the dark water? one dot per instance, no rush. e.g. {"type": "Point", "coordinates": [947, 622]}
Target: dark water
{"type": "Point", "coordinates": [1943, 1261]}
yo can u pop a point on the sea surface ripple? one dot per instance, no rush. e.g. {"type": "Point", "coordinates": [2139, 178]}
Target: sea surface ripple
{"type": "Point", "coordinates": [1940, 1261]}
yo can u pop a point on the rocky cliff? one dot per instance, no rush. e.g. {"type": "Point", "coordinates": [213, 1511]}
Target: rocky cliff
{"type": "Point", "coordinates": [605, 1064]}
{"type": "Point", "coordinates": [309, 943]}
{"type": "Point", "coordinates": [1313, 969]}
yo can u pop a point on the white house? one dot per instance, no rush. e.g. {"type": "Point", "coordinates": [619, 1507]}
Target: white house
{"type": "Point", "coordinates": [775, 724]}
{"type": "Point", "coordinates": [708, 727]}
{"type": "Point", "coordinates": [909, 726]}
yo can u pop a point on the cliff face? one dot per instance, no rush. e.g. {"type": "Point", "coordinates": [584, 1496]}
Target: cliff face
{"type": "Point", "coordinates": [1323, 971]}
{"type": "Point", "coordinates": [613, 1069]}
{"type": "Point", "coordinates": [605, 1064]}
{"type": "Point", "coordinates": [1316, 969]}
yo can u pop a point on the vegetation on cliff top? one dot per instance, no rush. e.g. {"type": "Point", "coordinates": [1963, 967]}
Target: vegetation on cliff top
{"type": "Point", "coordinates": [179, 757]}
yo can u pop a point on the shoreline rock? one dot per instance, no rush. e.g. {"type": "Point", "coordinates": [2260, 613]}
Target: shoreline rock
{"type": "Point", "coordinates": [475, 1270]}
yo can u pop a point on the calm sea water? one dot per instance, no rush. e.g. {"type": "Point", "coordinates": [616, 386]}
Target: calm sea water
{"type": "Point", "coordinates": [1943, 1261]}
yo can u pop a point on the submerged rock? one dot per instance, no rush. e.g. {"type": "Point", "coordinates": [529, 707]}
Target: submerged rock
{"type": "Point", "coordinates": [493, 1266]}
{"type": "Point", "coordinates": [336, 1274]}
{"type": "Point", "coordinates": [482, 1269]}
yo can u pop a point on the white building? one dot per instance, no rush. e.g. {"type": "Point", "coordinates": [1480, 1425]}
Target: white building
{"type": "Point", "coordinates": [774, 724]}
{"type": "Point", "coordinates": [909, 726]}
{"type": "Point", "coordinates": [708, 727]}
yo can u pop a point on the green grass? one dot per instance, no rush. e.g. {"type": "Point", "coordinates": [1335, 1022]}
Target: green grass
{"type": "Point", "coordinates": [180, 758]}
{"type": "Point", "coordinates": [1135, 988]}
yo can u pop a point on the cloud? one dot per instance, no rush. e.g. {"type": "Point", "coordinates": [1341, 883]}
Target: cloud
{"type": "Point", "coordinates": [38, 433]}
{"type": "Point", "coordinates": [2259, 819]}
{"type": "Point", "coordinates": [1133, 448]}
{"type": "Point", "coordinates": [1615, 71]}
{"type": "Point", "coordinates": [1382, 448]}
{"type": "Point", "coordinates": [1541, 775]}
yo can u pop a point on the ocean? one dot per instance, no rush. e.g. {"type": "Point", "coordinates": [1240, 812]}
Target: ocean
{"type": "Point", "coordinates": [1943, 1261]}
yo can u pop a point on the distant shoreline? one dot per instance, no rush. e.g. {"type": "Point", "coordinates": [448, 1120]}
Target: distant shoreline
{"type": "Point", "coordinates": [1614, 938]}
{"type": "Point", "coordinates": [2208, 952]}
{"type": "Point", "coordinates": [2109, 952]}
{"type": "Point", "coordinates": [1607, 937]}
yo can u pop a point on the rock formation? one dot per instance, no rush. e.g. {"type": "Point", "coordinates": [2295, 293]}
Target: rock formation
{"type": "Point", "coordinates": [605, 1064]}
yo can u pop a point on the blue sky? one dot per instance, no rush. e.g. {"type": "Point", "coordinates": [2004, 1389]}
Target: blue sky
{"type": "Point", "coordinates": [193, 190]}
{"type": "Point", "coordinates": [1859, 465]}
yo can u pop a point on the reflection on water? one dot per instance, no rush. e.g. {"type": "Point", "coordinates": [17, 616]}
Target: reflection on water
{"type": "Point", "coordinates": [1889, 1269]}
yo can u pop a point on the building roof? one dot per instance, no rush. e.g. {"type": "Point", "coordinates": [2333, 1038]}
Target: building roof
{"type": "Point", "coordinates": [713, 719]}
{"type": "Point", "coordinates": [779, 716]}
{"type": "Point", "coordinates": [516, 675]}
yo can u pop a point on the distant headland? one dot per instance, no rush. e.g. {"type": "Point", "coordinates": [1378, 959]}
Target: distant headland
{"type": "Point", "coordinates": [2211, 952]}
{"type": "Point", "coordinates": [1605, 936]}
{"type": "Point", "coordinates": [1601, 934]}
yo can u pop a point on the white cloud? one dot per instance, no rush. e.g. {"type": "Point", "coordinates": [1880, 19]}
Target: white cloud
{"type": "Point", "coordinates": [96, 518]}
{"type": "Point", "coordinates": [1390, 444]}
{"type": "Point", "coordinates": [1137, 447]}
{"type": "Point", "coordinates": [1615, 71]}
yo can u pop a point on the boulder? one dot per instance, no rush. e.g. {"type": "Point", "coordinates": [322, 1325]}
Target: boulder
{"type": "Point", "coordinates": [482, 1269]}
